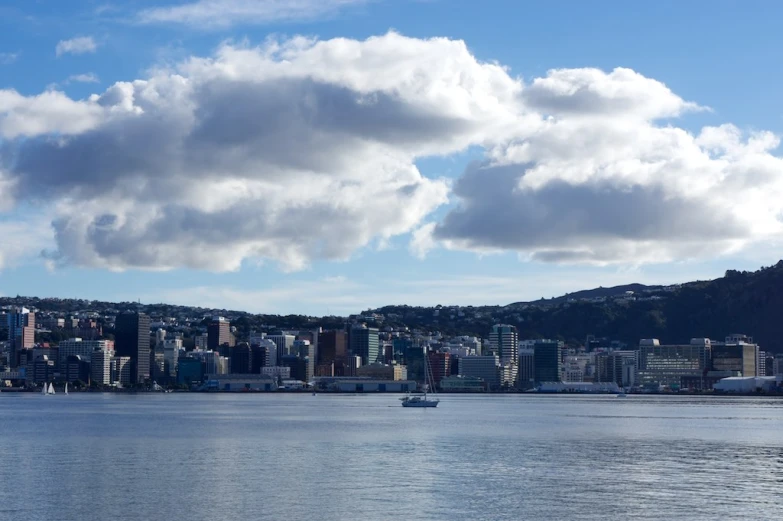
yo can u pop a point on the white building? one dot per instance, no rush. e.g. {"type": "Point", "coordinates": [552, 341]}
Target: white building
{"type": "Point", "coordinates": [284, 343]}
{"type": "Point", "coordinates": [100, 367]}
{"type": "Point", "coordinates": [284, 373]}
{"type": "Point", "coordinates": [82, 348]}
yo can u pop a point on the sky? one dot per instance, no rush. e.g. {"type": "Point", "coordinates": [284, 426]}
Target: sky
{"type": "Point", "coordinates": [330, 156]}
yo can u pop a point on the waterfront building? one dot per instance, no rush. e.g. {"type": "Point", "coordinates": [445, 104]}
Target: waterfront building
{"type": "Point", "coordinates": [100, 366]}
{"type": "Point", "coordinates": [43, 369]}
{"type": "Point", "coordinates": [526, 372]}
{"type": "Point", "coordinates": [122, 370]}
{"type": "Point", "coordinates": [456, 384]}
{"type": "Point", "coordinates": [132, 340]}
{"type": "Point", "coordinates": [277, 372]}
{"type": "Point", "coordinates": [76, 368]}
{"type": "Point", "coordinates": [665, 365]}
{"type": "Point", "coordinates": [190, 371]}
{"type": "Point", "coordinates": [239, 382]}
{"type": "Point", "coordinates": [364, 385]}
{"type": "Point", "coordinates": [547, 360]}
{"type": "Point", "coordinates": [486, 368]}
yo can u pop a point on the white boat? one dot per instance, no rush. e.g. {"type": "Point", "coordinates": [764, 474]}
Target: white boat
{"type": "Point", "coordinates": [50, 390]}
{"type": "Point", "coordinates": [66, 387]}
{"type": "Point", "coordinates": [420, 399]}
{"type": "Point", "coordinates": [43, 389]}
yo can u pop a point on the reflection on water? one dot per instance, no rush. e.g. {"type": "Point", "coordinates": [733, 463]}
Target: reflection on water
{"type": "Point", "coordinates": [207, 457]}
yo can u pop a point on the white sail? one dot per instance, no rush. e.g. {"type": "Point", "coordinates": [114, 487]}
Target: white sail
{"type": "Point", "coordinates": [43, 389]}
{"type": "Point", "coordinates": [51, 389]}
{"type": "Point", "coordinates": [66, 387]}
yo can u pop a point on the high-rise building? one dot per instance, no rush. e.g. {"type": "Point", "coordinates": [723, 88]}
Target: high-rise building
{"type": "Point", "coordinates": [264, 354]}
{"type": "Point", "coordinates": [363, 342]}
{"type": "Point", "coordinates": [332, 345]}
{"type": "Point", "coordinates": [547, 360]}
{"type": "Point", "coordinates": [100, 366]}
{"type": "Point", "coordinates": [526, 373]}
{"type": "Point", "coordinates": [241, 359]}
{"type": "Point", "coordinates": [21, 333]}
{"type": "Point", "coordinates": [122, 370]}
{"type": "Point", "coordinates": [171, 349]}
{"type": "Point", "coordinates": [219, 333]}
{"type": "Point", "coordinates": [504, 340]}
{"type": "Point", "coordinates": [440, 365]}
{"type": "Point", "coordinates": [132, 340]}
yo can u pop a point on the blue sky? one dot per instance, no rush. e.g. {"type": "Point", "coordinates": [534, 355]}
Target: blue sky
{"type": "Point", "coordinates": [523, 189]}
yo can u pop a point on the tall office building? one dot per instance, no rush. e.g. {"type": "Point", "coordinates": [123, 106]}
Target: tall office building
{"type": "Point", "coordinates": [332, 345]}
{"type": "Point", "coordinates": [284, 343]}
{"type": "Point", "coordinates": [363, 342]}
{"type": "Point", "coordinates": [218, 333]}
{"type": "Point", "coordinates": [21, 333]}
{"type": "Point", "coordinates": [505, 342]}
{"type": "Point", "coordinates": [526, 373]}
{"type": "Point", "coordinates": [241, 359]}
{"type": "Point", "coordinates": [132, 340]}
{"type": "Point", "coordinates": [547, 360]}
{"type": "Point", "coordinates": [100, 366]}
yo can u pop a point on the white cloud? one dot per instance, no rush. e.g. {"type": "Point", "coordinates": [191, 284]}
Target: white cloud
{"type": "Point", "coordinates": [292, 151]}
{"type": "Point", "coordinates": [7, 58]}
{"type": "Point", "coordinates": [79, 45]}
{"type": "Point", "coordinates": [48, 112]}
{"type": "Point", "coordinates": [89, 77]}
{"type": "Point", "coordinates": [601, 181]}
{"type": "Point", "coordinates": [300, 150]}
{"type": "Point", "coordinates": [225, 13]}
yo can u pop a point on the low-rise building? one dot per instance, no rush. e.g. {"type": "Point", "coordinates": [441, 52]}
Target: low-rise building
{"type": "Point", "coordinates": [457, 384]}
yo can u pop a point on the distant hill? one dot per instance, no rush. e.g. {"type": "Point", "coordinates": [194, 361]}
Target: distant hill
{"type": "Point", "coordinates": [740, 302]}
{"type": "Point", "coordinates": [599, 292]}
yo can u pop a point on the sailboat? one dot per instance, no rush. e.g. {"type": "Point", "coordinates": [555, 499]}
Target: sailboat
{"type": "Point", "coordinates": [66, 387]}
{"type": "Point", "coordinates": [50, 390]}
{"type": "Point", "coordinates": [43, 389]}
{"type": "Point", "coordinates": [420, 400]}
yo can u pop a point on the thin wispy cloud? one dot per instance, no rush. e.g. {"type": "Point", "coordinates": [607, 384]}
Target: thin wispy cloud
{"type": "Point", "coordinates": [79, 45]}
{"type": "Point", "coordinates": [7, 58]}
{"type": "Point", "coordinates": [211, 14]}
{"type": "Point", "coordinates": [89, 77]}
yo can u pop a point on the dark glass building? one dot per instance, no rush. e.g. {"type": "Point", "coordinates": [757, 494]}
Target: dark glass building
{"type": "Point", "coordinates": [242, 359]}
{"type": "Point", "coordinates": [132, 339]}
{"type": "Point", "coordinates": [363, 342]}
{"type": "Point", "coordinates": [547, 360]}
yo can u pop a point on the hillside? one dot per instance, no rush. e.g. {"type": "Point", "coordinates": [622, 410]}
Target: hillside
{"type": "Point", "coordinates": [739, 302]}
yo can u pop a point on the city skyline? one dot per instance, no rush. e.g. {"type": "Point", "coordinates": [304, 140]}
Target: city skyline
{"type": "Point", "coordinates": [407, 152]}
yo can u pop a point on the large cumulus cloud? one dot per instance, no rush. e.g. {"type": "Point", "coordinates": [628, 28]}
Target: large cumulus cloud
{"type": "Point", "coordinates": [291, 151]}
{"type": "Point", "coordinates": [606, 178]}
{"type": "Point", "coordinates": [300, 150]}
